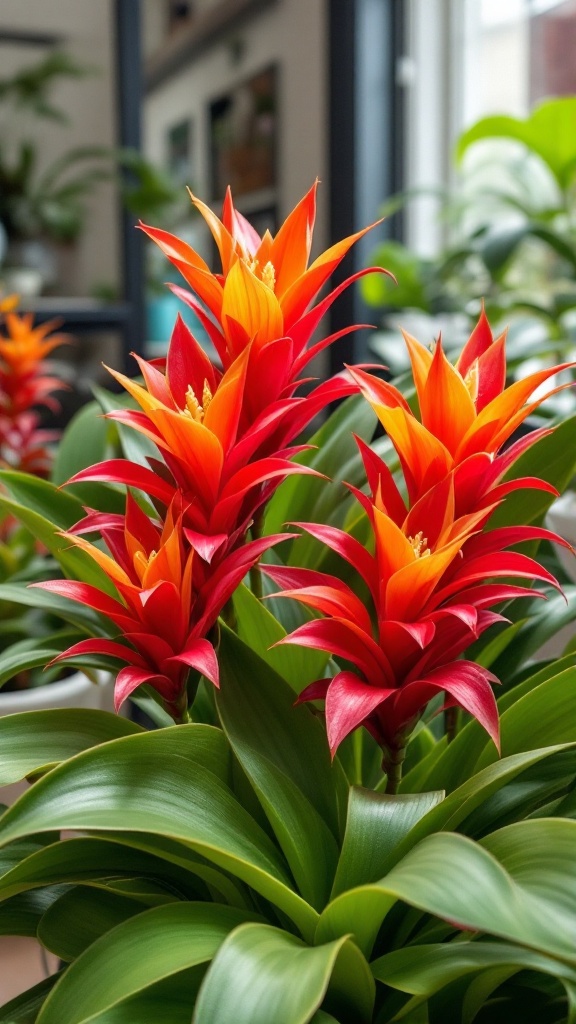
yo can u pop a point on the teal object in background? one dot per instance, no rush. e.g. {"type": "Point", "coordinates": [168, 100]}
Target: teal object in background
{"type": "Point", "coordinates": [161, 314]}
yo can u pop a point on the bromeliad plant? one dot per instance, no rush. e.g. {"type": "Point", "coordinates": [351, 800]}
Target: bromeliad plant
{"type": "Point", "coordinates": [338, 819]}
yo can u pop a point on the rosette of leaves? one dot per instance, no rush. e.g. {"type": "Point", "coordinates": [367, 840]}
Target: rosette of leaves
{"type": "Point", "coordinates": [229, 871]}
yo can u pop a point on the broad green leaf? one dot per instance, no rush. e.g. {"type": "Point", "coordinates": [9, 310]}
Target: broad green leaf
{"type": "Point", "coordinates": [422, 970]}
{"type": "Point", "coordinates": [287, 762]}
{"type": "Point", "coordinates": [46, 511]}
{"type": "Point", "coordinates": [31, 653]}
{"type": "Point", "coordinates": [169, 1001]}
{"type": "Point", "coordinates": [21, 914]}
{"type": "Point", "coordinates": [71, 611]}
{"type": "Point", "coordinates": [166, 783]}
{"type": "Point", "coordinates": [456, 762]}
{"type": "Point", "coordinates": [258, 628]}
{"type": "Point", "coordinates": [84, 442]}
{"type": "Point", "coordinates": [262, 974]}
{"type": "Point", "coordinates": [361, 912]}
{"type": "Point", "coordinates": [549, 131]}
{"type": "Point", "coordinates": [539, 854]}
{"type": "Point", "coordinates": [455, 879]}
{"type": "Point", "coordinates": [36, 740]}
{"type": "Point", "coordinates": [147, 948]}
{"type": "Point", "coordinates": [135, 446]}
{"type": "Point", "coordinates": [95, 860]}
{"type": "Point", "coordinates": [81, 915]}
{"type": "Point", "coordinates": [310, 499]}
{"type": "Point", "coordinates": [293, 739]}
{"type": "Point", "coordinates": [544, 715]}
{"type": "Point", "coordinates": [529, 636]}
{"type": "Point", "coordinates": [408, 291]}
{"type": "Point", "coordinates": [375, 824]}
{"type": "Point", "coordinates": [553, 458]}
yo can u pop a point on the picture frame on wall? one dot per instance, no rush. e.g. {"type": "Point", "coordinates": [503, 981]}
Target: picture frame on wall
{"type": "Point", "coordinates": [243, 136]}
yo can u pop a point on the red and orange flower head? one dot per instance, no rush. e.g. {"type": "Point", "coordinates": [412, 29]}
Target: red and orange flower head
{"type": "Point", "coordinates": [192, 412]}
{"type": "Point", "coordinates": [432, 579]}
{"type": "Point", "coordinates": [166, 603]}
{"type": "Point", "coordinates": [25, 385]}
{"type": "Point", "coordinates": [262, 295]}
{"type": "Point", "coordinates": [466, 414]}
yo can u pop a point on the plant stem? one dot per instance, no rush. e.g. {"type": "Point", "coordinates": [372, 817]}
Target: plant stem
{"type": "Point", "coordinates": [392, 764]}
{"type": "Point", "coordinates": [451, 723]}
{"type": "Point", "coordinates": [255, 575]}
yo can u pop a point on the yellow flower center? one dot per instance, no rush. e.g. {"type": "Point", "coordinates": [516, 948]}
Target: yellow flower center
{"type": "Point", "coordinates": [193, 407]}
{"type": "Point", "coordinates": [419, 545]}
{"type": "Point", "coordinates": [269, 276]}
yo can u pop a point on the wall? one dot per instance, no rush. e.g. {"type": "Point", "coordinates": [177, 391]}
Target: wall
{"type": "Point", "coordinates": [86, 28]}
{"type": "Point", "coordinates": [291, 33]}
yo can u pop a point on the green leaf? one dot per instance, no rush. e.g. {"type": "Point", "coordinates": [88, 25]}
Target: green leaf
{"type": "Point", "coordinates": [376, 823]}
{"type": "Point", "coordinates": [170, 1001]}
{"type": "Point", "coordinates": [30, 653]}
{"type": "Point", "coordinates": [37, 740]}
{"type": "Point", "coordinates": [262, 974]}
{"type": "Point", "coordinates": [287, 762]}
{"type": "Point", "coordinates": [259, 630]}
{"type": "Point", "coordinates": [71, 611]}
{"type": "Point", "coordinates": [46, 511]}
{"type": "Point", "coordinates": [166, 783]}
{"type": "Point", "coordinates": [147, 948]}
{"type": "Point", "coordinates": [455, 879]}
{"type": "Point", "coordinates": [553, 458]}
{"type": "Point", "coordinates": [423, 970]}
{"type": "Point", "coordinates": [90, 860]}
{"type": "Point", "coordinates": [310, 499]}
{"type": "Point", "coordinates": [544, 715]}
{"type": "Point", "coordinates": [81, 915]}
{"type": "Point", "coordinates": [360, 911]}
{"type": "Point", "coordinates": [135, 446]}
{"type": "Point", "coordinates": [549, 132]}
{"type": "Point", "coordinates": [456, 762]}
{"type": "Point", "coordinates": [86, 441]}
{"type": "Point", "coordinates": [21, 914]}
{"type": "Point", "coordinates": [408, 291]}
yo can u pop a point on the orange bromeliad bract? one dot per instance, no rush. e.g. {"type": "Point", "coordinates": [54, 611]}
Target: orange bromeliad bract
{"type": "Point", "coordinates": [433, 574]}
{"type": "Point", "coordinates": [226, 434]}
{"type": "Point", "coordinates": [166, 604]}
{"type": "Point", "coordinates": [262, 296]}
{"type": "Point", "coordinates": [466, 415]}
{"type": "Point", "coordinates": [24, 386]}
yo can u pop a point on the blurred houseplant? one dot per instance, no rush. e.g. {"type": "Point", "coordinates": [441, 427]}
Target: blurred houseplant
{"type": "Point", "coordinates": [29, 385]}
{"type": "Point", "coordinates": [510, 229]}
{"type": "Point", "coordinates": [243, 865]}
{"type": "Point", "coordinates": [44, 207]}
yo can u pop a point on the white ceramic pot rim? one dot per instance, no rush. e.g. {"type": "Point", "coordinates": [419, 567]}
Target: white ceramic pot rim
{"type": "Point", "coordinates": [76, 690]}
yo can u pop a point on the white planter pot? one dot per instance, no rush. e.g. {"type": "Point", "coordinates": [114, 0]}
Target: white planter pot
{"type": "Point", "coordinates": [75, 691]}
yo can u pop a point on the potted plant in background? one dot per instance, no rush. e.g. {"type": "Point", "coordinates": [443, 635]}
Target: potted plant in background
{"type": "Point", "coordinates": [338, 819]}
{"type": "Point", "coordinates": [29, 384]}
{"type": "Point", "coordinates": [43, 208]}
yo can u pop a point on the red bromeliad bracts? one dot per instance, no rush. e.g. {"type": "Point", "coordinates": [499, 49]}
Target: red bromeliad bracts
{"type": "Point", "coordinates": [433, 575]}
{"type": "Point", "coordinates": [24, 386]}
{"type": "Point", "coordinates": [226, 435]}
{"type": "Point", "coordinates": [167, 603]}
{"type": "Point", "coordinates": [261, 298]}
